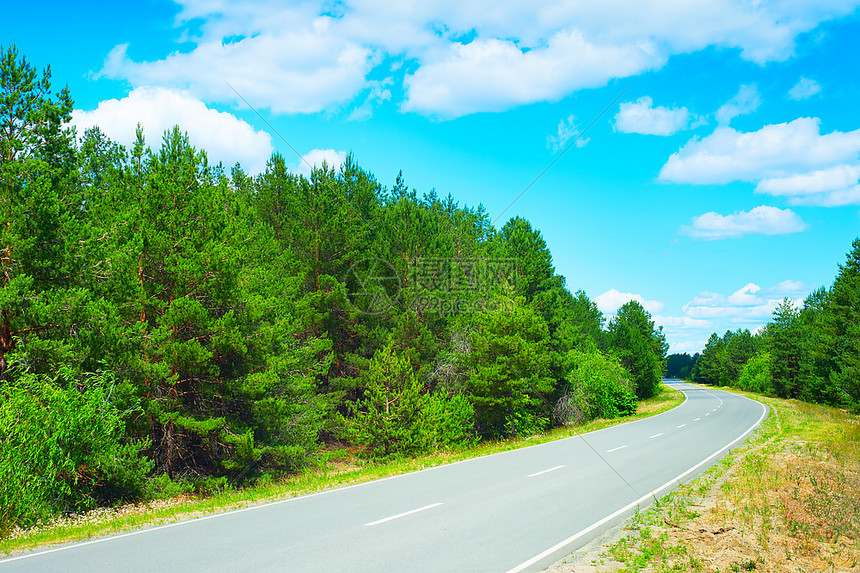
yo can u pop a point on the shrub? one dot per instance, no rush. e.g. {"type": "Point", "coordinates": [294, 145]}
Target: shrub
{"type": "Point", "coordinates": [599, 387]}
{"type": "Point", "coordinates": [62, 449]}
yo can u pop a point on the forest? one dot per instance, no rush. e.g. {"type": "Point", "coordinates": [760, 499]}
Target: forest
{"type": "Point", "coordinates": [168, 321]}
{"type": "Point", "coordinates": [809, 351]}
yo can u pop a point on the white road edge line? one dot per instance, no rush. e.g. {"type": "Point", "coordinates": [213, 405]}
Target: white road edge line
{"type": "Point", "coordinates": [616, 449]}
{"type": "Point", "coordinates": [545, 471]}
{"type": "Point", "coordinates": [404, 514]}
{"type": "Point", "coordinates": [639, 501]}
{"type": "Point", "coordinates": [655, 436]}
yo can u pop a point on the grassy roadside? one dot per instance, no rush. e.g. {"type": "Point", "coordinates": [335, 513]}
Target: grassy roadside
{"type": "Point", "coordinates": [788, 500]}
{"type": "Point", "coordinates": [340, 469]}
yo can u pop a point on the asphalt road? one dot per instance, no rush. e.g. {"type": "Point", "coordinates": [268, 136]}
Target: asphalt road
{"type": "Point", "coordinates": [514, 511]}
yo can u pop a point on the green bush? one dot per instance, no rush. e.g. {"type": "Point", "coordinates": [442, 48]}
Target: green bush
{"type": "Point", "coordinates": [397, 416]}
{"type": "Point", "coordinates": [755, 376]}
{"type": "Point", "coordinates": [61, 449]}
{"type": "Point", "coordinates": [599, 387]}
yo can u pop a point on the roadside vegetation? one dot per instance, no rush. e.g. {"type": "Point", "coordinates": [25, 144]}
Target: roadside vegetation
{"type": "Point", "coordinates": [171, 327]}
{"type": "Point", "coordinates": [788, 500]}
{"type": "Point", "coordinates": [337, 468]}
{"type": "Point", "coordinates": [810, 351]}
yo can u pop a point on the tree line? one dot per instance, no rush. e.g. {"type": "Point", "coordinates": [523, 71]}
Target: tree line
{"type": "Point", "coordinates": [166, 323]}
{"type": "Point", "coordinates": [810, 352]}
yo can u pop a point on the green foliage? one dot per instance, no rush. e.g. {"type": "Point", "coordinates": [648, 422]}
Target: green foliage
{"type": "Point", "coordinates": [508, 369]}
{"type": "Point", "coordinates": [755, 376]}
{"type": "Point", "coordinates": [723, 358]}
{"type": "Point", "coordinates": [213, 320]}
{"type": "Point", "coordinates": [398, 416]}
{"type": "Point", "coordinates": [599, 388]}
{"type": "Point", "coordinates": [680, 365]}
{"type": "Point", "coordinates": [63, 449]}
{"type": "Point", "coordinates": [640, 347]}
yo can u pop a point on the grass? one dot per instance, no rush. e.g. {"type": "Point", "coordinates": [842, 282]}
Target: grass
{"type": "Point", "coordinates": [339, 469]}
{"type": "Point", "coordinates": [787, 500]}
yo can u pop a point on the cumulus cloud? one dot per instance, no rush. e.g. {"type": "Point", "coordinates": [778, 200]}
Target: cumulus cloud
{"type": "Point", "coordinates": [831, 187]}
{"type": "Point", "coordinates": [224, 137]}
{"type": "Point", "coordinates": [745, 305]}
{"type": "Point", "coordinates": [787, 287]}
{"type": "Point", "coordinates": [762, 220]}
{"type": "Point", "coordinates": [316, 157]}
{"type": "Point", "coordinates": [746, 101]}
{"type": "Point", "coordinates": [804, 89]}
{"type": "Point", "coordinates": [464, 57]}
{"type": "Point", "coordinates": [746, 296]}
{"type": "Point", "coordinates": [610, 301]}
{"type": "Point", "coordinates": [567, 130]}
{"type": "Point", "coordinates": [641, 117]}
{"type": "Point", "coordinates": [496, 74]}
{"type": "Point", "coordinates": [792, 160]}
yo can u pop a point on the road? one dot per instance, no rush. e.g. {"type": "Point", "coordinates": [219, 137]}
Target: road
{"type": "Point", "coordinates": [514, 511]}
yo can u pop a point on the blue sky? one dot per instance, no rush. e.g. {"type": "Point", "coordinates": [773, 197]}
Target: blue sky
{"type": "Point", "coordinates": [725, 178]}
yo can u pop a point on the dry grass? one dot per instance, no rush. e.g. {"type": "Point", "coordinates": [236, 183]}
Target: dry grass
{"type": "Point", "coordinates": [787, 501]}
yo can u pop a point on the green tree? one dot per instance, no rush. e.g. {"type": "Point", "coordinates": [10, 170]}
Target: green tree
{"type": "Point", "coordinates": [508, 369]}
{"type": "Point", "coordinates": [640, 347]}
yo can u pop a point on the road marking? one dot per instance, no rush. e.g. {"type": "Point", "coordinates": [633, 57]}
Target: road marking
{"type": "Point", "coordinates": [697, 419]}
{"type": "Point", "coordinates": [707, 413]}
{"type": "Point", "coordinates": [615, 449]}
{"type": "Point", "coordinates": [404, 514]}
{"type": "Point", "coordinates": [629, 506]}
{"type": "Point", "coordinates": [681, 426]}
{"type": "Point", "coordinates": [656, 436]}
{"type": "Point", "coordinates": [545, 471]}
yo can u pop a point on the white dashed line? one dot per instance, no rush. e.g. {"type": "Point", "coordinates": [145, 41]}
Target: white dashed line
{"type": "Point", "coordinates": [615, 449]}
{"type": "Point", "coordinates": [545, 471]}
{"type": "Point", "coordinates": [655, 436]}
{"type": "Point", "coordinates": [697, 419]}
{"type": "Point", "coordinates": [404, 514]}
{"type": "Point", "coordinates": [682, 425]}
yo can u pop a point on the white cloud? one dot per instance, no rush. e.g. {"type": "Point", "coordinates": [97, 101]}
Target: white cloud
{"type": "Point", "coordinates": [789, 287]}
{"type": "Point", "coordinates": [463, 57]}
{"type": "Point", "coordinates": [567, 130]}
{"type": "Point", "coordinates": [762, 220]}
{"type": "Point", "coordinates": [688, 346]}
{"type": "Point", "coordinates": [496, 74]}
{"type": "Point", "coordinates": [774, 151]}
{"type": "Point", "coordinates": [316, 157]}
{"type": "Point", "coordinates": [306, 68]}
{"type": "Point", "coordinates": [746, 101]}
{"type": "Point", "coordinates": [746, 296]}
{"type": "Point", "coordinates": [641, 117]}
{"type": "Point", "coordinates": [804, 89]}
{"type": "Point", "coordinates": [744, 306]}
{"type": "Point", "coordinates": [224, 137]}
{"type": "Point", "coordinates": [610, 301]}
{"type": "Point", "coordinates": [834, 186]}
{"type": "Point", "coordinates": [680, 322]}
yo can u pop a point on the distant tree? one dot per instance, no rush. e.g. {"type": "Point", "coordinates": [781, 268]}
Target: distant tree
{"type": "Point", "coordinates": [679, 366]}
{"type": "Point", "coordinates": [784, 341]}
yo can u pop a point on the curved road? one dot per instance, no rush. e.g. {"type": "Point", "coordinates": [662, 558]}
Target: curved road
{"type": "Point", "coordinates": [513, 511]}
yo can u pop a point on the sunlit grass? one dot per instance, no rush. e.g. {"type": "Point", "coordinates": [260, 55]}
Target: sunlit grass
{"type": "Point", "coordinates": [787, 500]}
{"type": "Point", "coordinates": [339, 468]}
